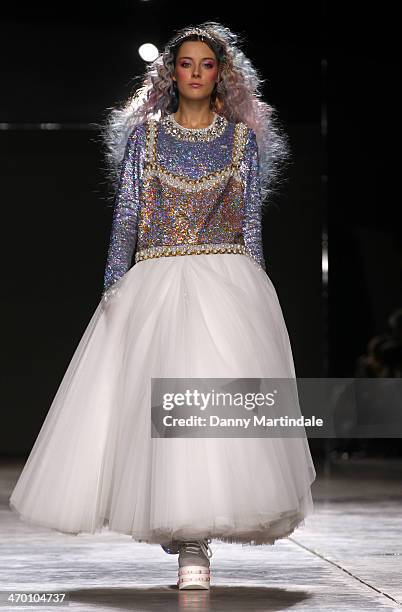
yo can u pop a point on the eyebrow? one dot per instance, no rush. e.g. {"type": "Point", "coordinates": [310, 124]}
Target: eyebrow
{"type": "Point", "coordinates": [188, 57]}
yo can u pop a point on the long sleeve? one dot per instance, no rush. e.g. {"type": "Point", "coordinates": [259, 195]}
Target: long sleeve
{"type": "Point", "coordinates": [252, 227]}
{"type": "Point", "coordinates": [123, 235]}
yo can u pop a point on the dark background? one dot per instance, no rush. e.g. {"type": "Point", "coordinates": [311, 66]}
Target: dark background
{"type": "Point", "coordinates": [331, 72]}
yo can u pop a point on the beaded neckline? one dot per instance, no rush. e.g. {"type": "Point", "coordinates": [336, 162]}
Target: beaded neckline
{"type": "Point", "coordinates": [212, 131]}
{"type": "Point", "coordinates": [173, 118]}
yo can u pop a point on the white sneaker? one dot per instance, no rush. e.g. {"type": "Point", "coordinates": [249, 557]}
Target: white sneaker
{"type": "Point", "coordinates": [194, 570]}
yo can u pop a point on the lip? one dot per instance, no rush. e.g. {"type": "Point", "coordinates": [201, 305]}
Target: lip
{"type": "Point", "coordinates": [195, 85]}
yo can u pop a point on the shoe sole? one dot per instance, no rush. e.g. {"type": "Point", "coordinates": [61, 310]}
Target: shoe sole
{"type": "Point", "coordinates": [194, 577]}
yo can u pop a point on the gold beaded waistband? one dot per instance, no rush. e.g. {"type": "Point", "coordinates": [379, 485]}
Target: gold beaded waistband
{"type": "Point", "coordinates": [189, 249]}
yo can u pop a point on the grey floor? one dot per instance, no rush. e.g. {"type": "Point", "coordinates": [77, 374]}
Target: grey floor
{"type": "Point", "coordinates": [348, 556]}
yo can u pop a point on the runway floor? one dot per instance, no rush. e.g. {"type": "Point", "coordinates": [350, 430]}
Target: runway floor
{"type": "Point", "coordinates": [348, 556]}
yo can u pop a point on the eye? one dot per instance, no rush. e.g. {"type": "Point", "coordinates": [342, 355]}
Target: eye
{"type": "Point", "coordinates": [184, 64]}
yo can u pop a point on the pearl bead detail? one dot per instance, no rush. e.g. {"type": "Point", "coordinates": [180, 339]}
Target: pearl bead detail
{"type": "Point", "coordinates": [188, 249]}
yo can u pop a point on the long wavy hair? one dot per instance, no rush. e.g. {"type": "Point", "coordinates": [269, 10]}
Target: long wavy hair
{"type": "Point", "coordinates": [237, 97]}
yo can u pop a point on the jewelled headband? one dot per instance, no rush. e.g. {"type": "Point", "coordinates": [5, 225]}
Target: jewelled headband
{"type": "Point", "coordinates": [198, 31]}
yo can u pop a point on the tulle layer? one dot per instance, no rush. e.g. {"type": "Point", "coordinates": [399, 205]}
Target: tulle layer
{"type": "Point", "coordinates": [94, 465]}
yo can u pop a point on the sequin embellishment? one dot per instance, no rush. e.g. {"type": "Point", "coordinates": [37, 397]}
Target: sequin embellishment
{"type": "Point", "coordinates": [152, 168]}
{"type": "Point", "coordinates": [177, 197]}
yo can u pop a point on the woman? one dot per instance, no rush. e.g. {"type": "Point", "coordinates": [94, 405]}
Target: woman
{"type": "Point", "coordinates": [195, 152]}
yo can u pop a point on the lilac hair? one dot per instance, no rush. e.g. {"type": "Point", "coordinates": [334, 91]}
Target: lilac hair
{"type": "Point", "coordinates": [239, 99]}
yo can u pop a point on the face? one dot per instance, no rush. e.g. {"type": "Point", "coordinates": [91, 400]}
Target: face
{"type": "Point", "coordinates": [196, 63]}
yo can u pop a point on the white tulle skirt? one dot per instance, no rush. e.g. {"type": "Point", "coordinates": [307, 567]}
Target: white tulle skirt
{"type": "Point", "coordinates": [94, 465]}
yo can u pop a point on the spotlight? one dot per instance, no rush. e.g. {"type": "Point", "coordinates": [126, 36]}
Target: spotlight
{"type": "Point", "coordinates": [148, 52]}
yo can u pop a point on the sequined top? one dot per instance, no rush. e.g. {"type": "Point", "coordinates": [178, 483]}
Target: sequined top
{"type": "Point", "coordinates": [186, 190]}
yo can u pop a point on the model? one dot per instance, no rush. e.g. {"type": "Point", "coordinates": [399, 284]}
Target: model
{"type": "Point", "coordinates": [195, 153]}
